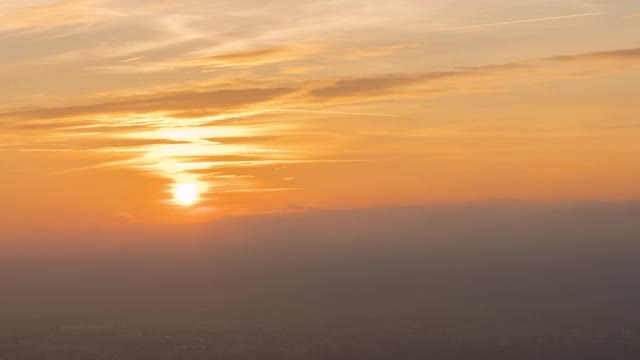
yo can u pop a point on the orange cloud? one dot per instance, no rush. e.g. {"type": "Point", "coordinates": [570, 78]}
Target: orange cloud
{"type": "Point", "coordinates": [247, 58]}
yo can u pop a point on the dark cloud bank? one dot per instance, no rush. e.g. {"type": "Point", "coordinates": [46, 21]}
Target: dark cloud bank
{"type": "Point", "coordinates": [499, 262]}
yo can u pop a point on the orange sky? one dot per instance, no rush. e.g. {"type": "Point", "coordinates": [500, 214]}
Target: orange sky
{"type": "Point", "coordinates": [107, 107]}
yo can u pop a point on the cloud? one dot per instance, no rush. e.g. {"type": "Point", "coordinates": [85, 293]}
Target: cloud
{"type": "Point", "coordinates": [394, 83]}
{"type": "Point", "coordinates": [207, 101]}
{"type": "Point", "coordinates": [377, 85]}
{"type": "Point", "coordinates": [214, 101]}
{"type": "Point", "coordinates": [235, 59]}
{"type": "Point", "coordinates": [186, 133]}
{"type": "Point", "coordinates": [612, 56]}
{"type": "Point", "coordinates": [88, 143]}
{"type": "Point", "coordinates": [246, 139]}
{"type": "Point", "coordinates": [385, 84]}
{"type": "Point", "coordinates": [254, 57]}
{"type": "Point", "coordinates": [513, 22]}
{"type": "Point", "coordinates": [18, 16]}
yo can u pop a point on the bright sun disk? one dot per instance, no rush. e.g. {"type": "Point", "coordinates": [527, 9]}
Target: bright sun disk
{"type": "Point", "coordinates": [185, 194]}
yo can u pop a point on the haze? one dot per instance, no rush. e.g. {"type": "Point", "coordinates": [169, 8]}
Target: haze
{"type": "Point", "coordinates": [258, 164]}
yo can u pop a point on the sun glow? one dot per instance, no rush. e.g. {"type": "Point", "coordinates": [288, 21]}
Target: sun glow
{"type": "Point", "coordinates": [186, 194]}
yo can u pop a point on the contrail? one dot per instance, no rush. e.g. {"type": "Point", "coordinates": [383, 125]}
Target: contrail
{"type": "Point", "coordinates": [524, 21]}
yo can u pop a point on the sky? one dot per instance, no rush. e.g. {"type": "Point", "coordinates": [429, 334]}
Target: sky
{"type": "Point", "coordinates": [118, 112]}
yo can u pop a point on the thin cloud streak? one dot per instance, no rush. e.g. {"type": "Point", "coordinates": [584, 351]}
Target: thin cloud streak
{"type": "Point", "coordinates": [332, 112]}
{"type": "Point", "coordinates": [524, 21]}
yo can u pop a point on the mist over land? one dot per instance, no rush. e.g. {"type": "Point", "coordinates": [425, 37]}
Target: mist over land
{"type": "Point", "coordinates": [494, 262]}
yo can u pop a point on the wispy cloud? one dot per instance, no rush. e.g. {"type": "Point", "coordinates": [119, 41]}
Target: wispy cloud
{"type": "Point", "coordinates": [20, 17]}
{"type": "Point", "coordinates": [381, 85]}
{"type": "Point", "coordinates": [252, 57]}
{"type": "Point", "coordinates": [211, 100]}
{"type": "Point", "coordinates": [619, 55]}
{"type": "Point", "coordinates": [524, 21]}
{"type": "Point", "coordinates": [190, 133]}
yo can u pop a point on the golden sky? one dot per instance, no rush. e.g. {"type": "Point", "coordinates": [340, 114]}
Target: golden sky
{"type": "Point", "coordinates": [112, 111]}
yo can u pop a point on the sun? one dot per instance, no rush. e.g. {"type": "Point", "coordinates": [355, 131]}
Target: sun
{"type": "Point", "coordinates": [186, 194]}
